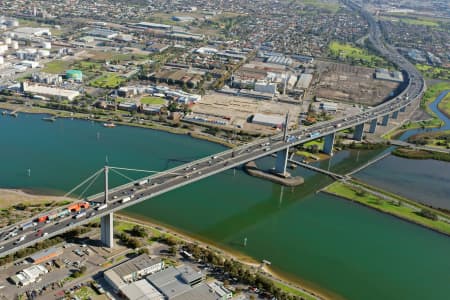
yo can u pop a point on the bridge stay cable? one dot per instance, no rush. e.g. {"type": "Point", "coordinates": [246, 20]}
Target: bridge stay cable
{"type": "Point", "coordinates": [89, 185]}
{"type": "Point", "coordinates": [82, 183]}
{"type": "Point", "coordinates": [124, 176]}
{"type": "Point", "coordinates": [144, 171]}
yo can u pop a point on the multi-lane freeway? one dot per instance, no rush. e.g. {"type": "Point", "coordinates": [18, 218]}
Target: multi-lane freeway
{"type": "Point", "coordinates": [13, 237]}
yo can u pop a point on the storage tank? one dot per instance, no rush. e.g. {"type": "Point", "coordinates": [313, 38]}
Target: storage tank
{"type": "Point", "coordinates": [46, 45]}
{"type": "Point", "coordinates": [14, 45]}
{"type": "Point", "coordinates": [7, 40]}
{"type": "Point", "coordinates": [2, 60]}
{"type": "Point", "coordinates": [74, 74]}
{"type": "Point", "coordinates": [3, 48]}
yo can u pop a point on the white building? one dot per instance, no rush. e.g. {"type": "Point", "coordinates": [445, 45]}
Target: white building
{"type": "Point", "coordinates": [50, 91]}
{"type": "Point", "coordinates": [268, 120]}
{"type": "Point", "coordinates": [28, 275]}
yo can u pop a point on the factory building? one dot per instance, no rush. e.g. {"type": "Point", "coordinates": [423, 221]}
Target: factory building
{"type": "Point", "coordinates": [265, 87]}
{"type": "Point", "coordinates": [148, 25]}
{"type": "Point", "coordinates": [103, 33]}
{"type": "Point", "coordinates": [304, 81]}
{"type": "Point", "coordinates": [50, 91]}
{"type": "Point", "coordinates": [132, 270]}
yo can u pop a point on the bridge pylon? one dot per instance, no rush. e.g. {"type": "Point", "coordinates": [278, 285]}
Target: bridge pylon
{"type": "Point", "coordinates": [106, 222]}
{"type": "Point", "coordinates": [359, 131]}
{"type": "Point", "coordinates": [328, 143]}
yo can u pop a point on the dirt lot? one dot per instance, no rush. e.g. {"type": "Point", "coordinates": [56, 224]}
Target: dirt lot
{"type": "Point", "coordinates": [12, 197]}
{"type": "Point", "coordinates": [239, 109]}
{"type": "Point", "coordinates": [348, 83]}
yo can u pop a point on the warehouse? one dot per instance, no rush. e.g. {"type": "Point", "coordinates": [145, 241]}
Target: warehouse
{"type": "Point", "coordinates": [50, 91]}
{"type": "Point", "coordinates": [141, 290]}
{"type": "Point", "coordinates": [268, 120]}
{"type": "Point", "coordinates": [132, 270]}
{"type": "Point", "coordinates": [46, 254]}
{"type": "Point", "coordinates": [28, 275]}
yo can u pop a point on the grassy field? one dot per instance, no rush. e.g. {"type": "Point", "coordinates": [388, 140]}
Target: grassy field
{"type": "Point", "coordinates": [57, 66]}
{"type": "Point", "coordinates": [396, 208]}
{"type": "Point", "coordinates": [349, 52]}
{"type": "Point", "coordinates": [85, 293]}
{"type": "Point", "coordinates": [412, 21]}
{"type": "Point", "coordinates": [434, 72]}
{"type": "Point", "coordinates": [437, 139]}
{"type": "Point", "coordinates": [107, 81]}
{"type": "Point", "coordinates": [292, 291]}
{"type": "Point", "coordinates": [152, 100]}
{"type": "Point", "coordinates": [329, 6]}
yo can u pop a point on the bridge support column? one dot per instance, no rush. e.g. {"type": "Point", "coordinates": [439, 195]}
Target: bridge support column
{"type": "Point", "coordinates": [395, 114]}
{"type": "Point", "coordinates": [281, 161]}
{"type": "Point", "coordinates": [358, 134]}
{"type": "Point", "coordinates": [328, 143]}
{"type": "Point", "coordinates": [373, 125]}
{"type": "Point", "coordinates": [385, 120]}
{"type": "Point", "coordinates": [403, 109]}
{"type": "Point", "coordinates": [106, 230]}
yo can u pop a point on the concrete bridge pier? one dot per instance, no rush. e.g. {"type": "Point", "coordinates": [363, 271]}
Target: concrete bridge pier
{"type": "Point", "coordinates": [281, 161]}
{"type": "Point", "coordinates": [395, 114]}
{"type": "Point", "coordinates": [385, 120]}
{"type": "Point", "coordinates": [359, 130]}
{"type": "Point", "coordinates": [373, 125]}
{"type": "Point", "coordinates": [106, 230]}
{"type": "Point", "coordinates": [328, 143]}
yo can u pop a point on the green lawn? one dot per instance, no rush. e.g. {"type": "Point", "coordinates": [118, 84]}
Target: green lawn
{"type": "Point", "coordinates": [107, 81]}
{"type": "Point", "coordinates": [397, 209]}
{"type": "Point", "coordinates": [330, 6]}
{"type": "Point", "coordinates": [57, 66]}
{"type": "Point", "coordinates": [85, 293]}
{"type": "Point", "coordinates": [152, 100]}
{"type": "Point", "coordinates": [413, 21]}
{"type": "Point", "coordinates": [434, 72]}
{"type": "Point", "coordinates": [349, 52]}
{"type": "Point", "coordinates": [293, 291]}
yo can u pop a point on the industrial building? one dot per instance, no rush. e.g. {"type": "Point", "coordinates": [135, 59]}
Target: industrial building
{"type": "Point", "coordinates": [384, 74]}
{"type": "Point", "coordinates": [141, 290]}
{"type": "Point", "coordinates": [45, 255]}
{"type": "Point", "coordinates": [328, 106]}
{"type": "Point", "coordinates": [132, 270]}
{"type": "Point", "coordinates": [266, 87]}
{"type": "Point", "coordinates": [28, 275]}
{"type": "Point", "coordinates": [75, 75]}
{"type": "Point", "coordinates": [268, 120]}
{"type": "Point", "coordinates": [50, 91]}
{"type": "Point", "coordinates": [148, 25]}
{"type": "Point", "coordinates": [103, 33]}
{"type": "Point", "coordinates": [304, 81]}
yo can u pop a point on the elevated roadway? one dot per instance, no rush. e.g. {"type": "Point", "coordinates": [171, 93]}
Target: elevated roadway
{"type": "Point", "coordinates": [194, 171]}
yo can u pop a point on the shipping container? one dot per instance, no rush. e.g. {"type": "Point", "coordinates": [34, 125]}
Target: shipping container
{"type": "Point", "coordinates": [103, 206]}
{"type": "Point", "coordinates": [126, 199]}
{"type": "Point", "coordinates": [63, 213]}
{"type": "Point", "coordinates": [42, 219]}
{"type": "Point", "coordinates": [26, 225]}
{"type": "Point", "coordinates": [80, 215]}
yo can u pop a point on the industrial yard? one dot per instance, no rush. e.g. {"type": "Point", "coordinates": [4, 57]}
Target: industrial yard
{"type": "Point", "coordinates": [347, 83]}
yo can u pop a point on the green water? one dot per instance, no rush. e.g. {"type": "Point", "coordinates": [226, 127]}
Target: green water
{"type": "Point", "coordinates": [343, 248]}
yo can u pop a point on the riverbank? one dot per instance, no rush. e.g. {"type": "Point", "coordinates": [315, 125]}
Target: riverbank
{"type": "Point", "coordinates": [65, 114]}
{"type": "Point", "coordinates": [444, 105]}
{"type": "Point", "coordinates": [12, 197]}
{"type": "Point", "coordinates": [420, 154]}
{"type": "Point", "coordinates": [284, 282]}
{"type": "Point", "coordinates": [394, 205]}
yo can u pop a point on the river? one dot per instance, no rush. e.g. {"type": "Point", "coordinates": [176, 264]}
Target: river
{"type": "Point", "coordinates": [426, 181]}
{"type": "Point", "coordinates": [332, 245]}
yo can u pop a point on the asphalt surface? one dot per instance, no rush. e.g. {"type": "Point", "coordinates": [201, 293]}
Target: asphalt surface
{"type": "Point", "coordinates": [197, 170]}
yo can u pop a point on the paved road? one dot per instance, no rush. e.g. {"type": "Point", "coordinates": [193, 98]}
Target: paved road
{"type": "Point", "coordinates": [208, 166]}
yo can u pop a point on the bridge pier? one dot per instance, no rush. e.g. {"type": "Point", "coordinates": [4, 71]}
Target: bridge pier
{"type": "Point", "coordinates": [395, 114]}
{"type": "Point", "coordinates": [281, 161]}
{"type": "Point", "coordinates": [373, 125]}
{"type": "Point", "coordinates": [106, 230]}
{"type": "Point", "coordinates": [328, 143]}
{"type": "Point", "coordinates": [385, 120]}
{"type": "Point", "coordinates": [359, 130]}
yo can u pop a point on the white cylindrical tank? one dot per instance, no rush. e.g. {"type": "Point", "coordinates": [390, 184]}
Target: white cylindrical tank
{"type": "Point", "coordinates": [46, 45]}
{"type": "Point", "coordinates": [14, 45]}
{"type": "Point", "coordinates": [7, 40]}
{"type": "Point", "coordinates": [2, 60]}
{"type": "Point", "coordinates": [3, 48]}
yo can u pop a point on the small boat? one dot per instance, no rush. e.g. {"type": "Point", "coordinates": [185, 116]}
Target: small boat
{"type": "Point", "coordinates": [5, 112]}
{"type": "Point", "coordinates": [109, 125]}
